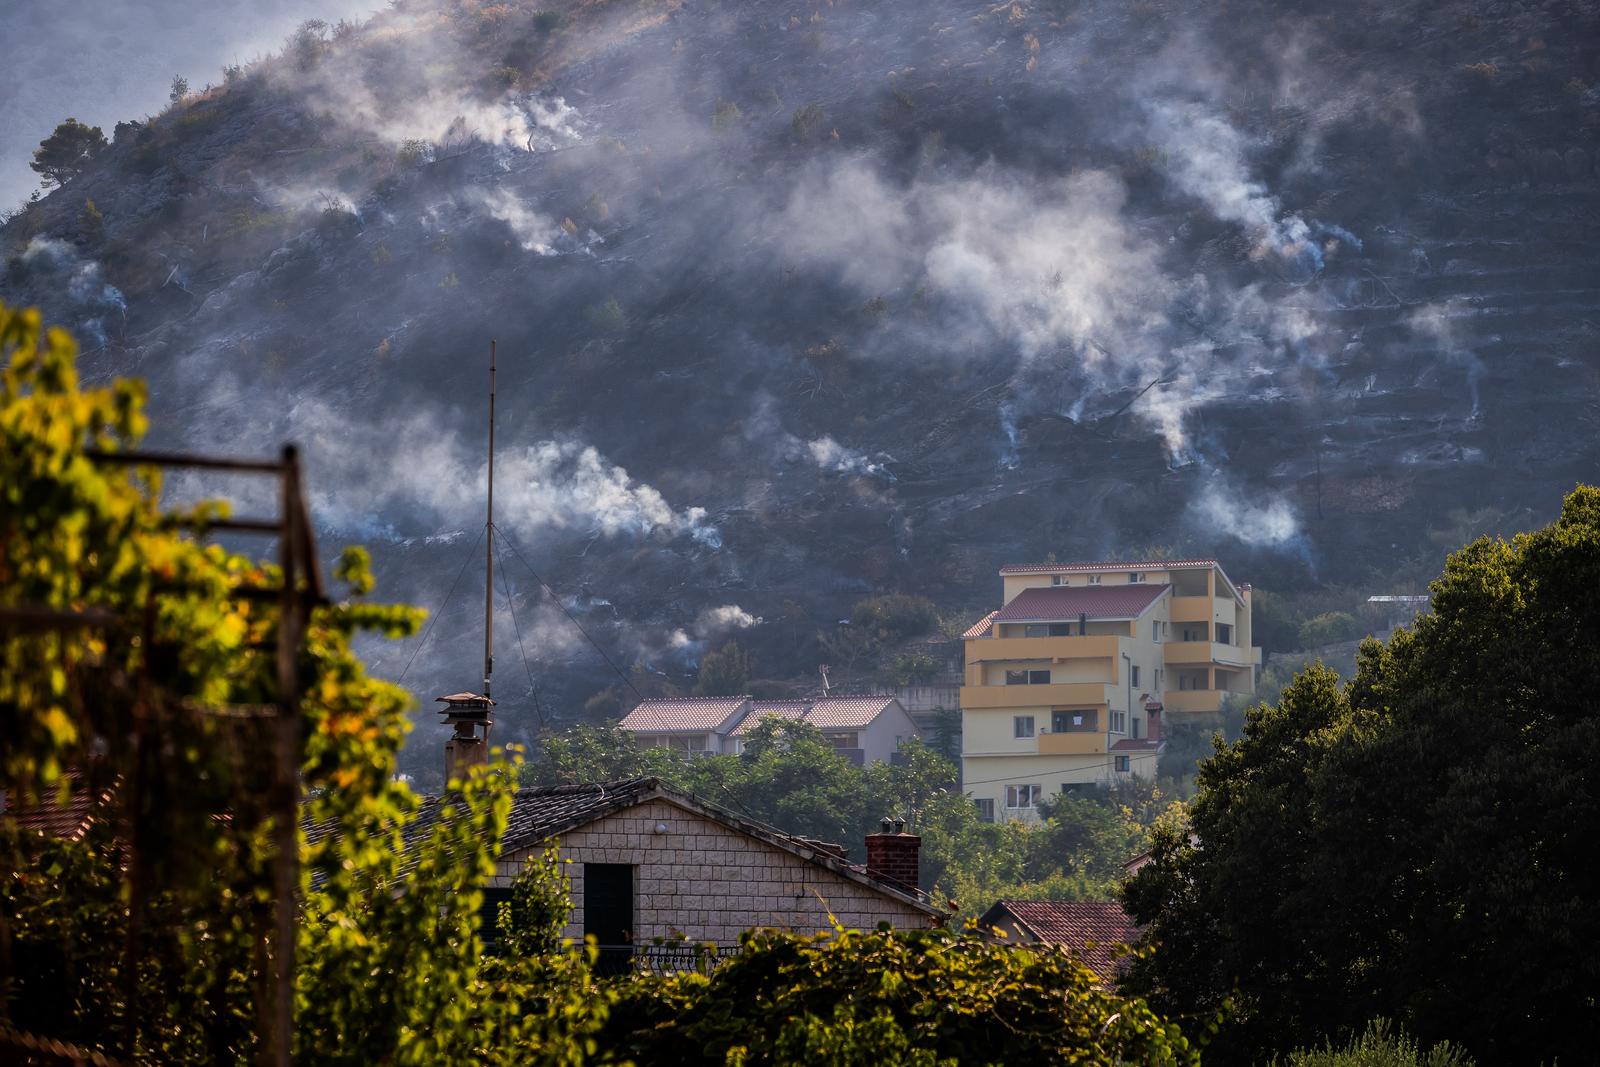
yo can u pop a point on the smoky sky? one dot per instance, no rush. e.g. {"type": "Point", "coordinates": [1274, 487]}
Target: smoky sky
{"type": "Point", "coordinates": [102, 61]}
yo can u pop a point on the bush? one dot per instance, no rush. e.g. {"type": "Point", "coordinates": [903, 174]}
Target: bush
{"type": "Point", "coordinates": [895, 617]}
{"type": "Point", "coordinates": [179, 90]}
{"type": "Point", "coordinates": [1329, 628]}
{"type": "Point", "coordinates": [1379, 1047]}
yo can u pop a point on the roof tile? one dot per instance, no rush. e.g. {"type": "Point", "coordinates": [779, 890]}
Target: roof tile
{"type": "Point", "coordinates": [668, 714]}
{"type": "Point", "coordinates": [1107, 565]}
{"type": "Point", "coordinates": [1087, 928]}
{"type": "Point", "coordinates": [1064, 603]}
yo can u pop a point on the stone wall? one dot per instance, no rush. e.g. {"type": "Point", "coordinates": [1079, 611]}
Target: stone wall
{"type": "Point", "coordinates": [708, 882]}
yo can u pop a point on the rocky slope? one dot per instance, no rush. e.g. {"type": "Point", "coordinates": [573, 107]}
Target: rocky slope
{"type": "Point", "coordinates": [800, 300]}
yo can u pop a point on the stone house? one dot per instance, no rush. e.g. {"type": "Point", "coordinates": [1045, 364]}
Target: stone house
{"type": "Point", "coordinates": [653, 867]}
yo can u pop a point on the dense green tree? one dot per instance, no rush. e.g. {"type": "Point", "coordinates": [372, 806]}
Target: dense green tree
{"type": "Point", "coordinates": [887, 996]}
{"type": "Point", "coordinates": [724, 672]}
{"type": "Point", "coordinates": [63, 155]}
{"type": "Point", "coordinates": [1414, 845]}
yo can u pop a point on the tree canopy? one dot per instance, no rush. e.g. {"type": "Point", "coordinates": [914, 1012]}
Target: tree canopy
{"type": "Point", "coordinates": [63, 155]}
{"type": "Point", "coordinates": [1412, 845]}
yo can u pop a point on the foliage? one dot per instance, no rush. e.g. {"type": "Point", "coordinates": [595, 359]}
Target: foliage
{"type": "Point", "coordinates": [807, 120]}
{"type": "Point", "coordinates": [388, 967]}
{"type": "Point", "coordinates": [915, 668]}
{"type": "Point", "coordinates": [724, 672]}
{"type": "Point", "coordinates": [895, 617]}
{"type": "Point", "coordinates": [1440, 799]}
{"type": "Point", "coordinates": [596, 754]}
{"type": "Point", "coordinates": [887, 996]}
{"type": "Point", "coordinates": [1378, 1046]}
{"type": "Point", "coordinates": [179, 89]}
{"type": "Point", "coordinates": [1329, 628]}
{"type": "Point", "coordinates": [63, 155]}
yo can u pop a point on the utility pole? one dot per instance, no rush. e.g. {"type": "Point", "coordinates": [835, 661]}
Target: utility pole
{"type": "Point", "coordinates": [488, 547]}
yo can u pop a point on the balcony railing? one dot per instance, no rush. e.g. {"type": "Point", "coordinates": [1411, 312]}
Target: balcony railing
{"type": "Point", "coordinates": [979, 697]}
{"type": "Point", "coordinates": [1084, 646]}
{"type": "Point", "coordinates": [662, 959]}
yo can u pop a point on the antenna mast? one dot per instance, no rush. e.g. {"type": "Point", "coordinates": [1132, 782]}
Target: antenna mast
{"type": "Point", "coordinates": [488, 554]}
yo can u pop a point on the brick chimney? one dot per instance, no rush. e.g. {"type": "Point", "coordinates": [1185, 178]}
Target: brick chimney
{"type": "Point", "coordinates": [1152, 713]}
{"type": "Point", "coordinates": [894, 855]}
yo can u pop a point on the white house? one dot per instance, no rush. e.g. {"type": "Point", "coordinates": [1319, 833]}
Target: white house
{"type": "Point", "coordinates": [863, 729]}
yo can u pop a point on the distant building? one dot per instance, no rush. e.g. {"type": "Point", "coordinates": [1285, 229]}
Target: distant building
{"type": "Point", "coordinates": [1068, 681]}
{"type": "Point", "coordinates": [1091, 930]}
{"type": "Point", "coordinates": [863, 729]}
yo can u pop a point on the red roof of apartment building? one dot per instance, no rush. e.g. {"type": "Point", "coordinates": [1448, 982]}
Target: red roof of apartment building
{"type": "Point", "coordinates": [982, 626]}
{"type": "Point", "coordinates": [1108, 565]}
{"type": "Point", "coordinates": [1064, 603]}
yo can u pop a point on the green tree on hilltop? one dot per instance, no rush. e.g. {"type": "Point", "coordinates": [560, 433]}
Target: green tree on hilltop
{"type": "Point", "coordinates": [63, 155]}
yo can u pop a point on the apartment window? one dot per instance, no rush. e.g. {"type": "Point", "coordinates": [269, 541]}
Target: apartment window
{"type": "Point", "coordinates": [1133, 674]}
{"type": "Point", "coordinates": [1072, 722]}
{"type": "Point", "coordinates": [1224, 633]}
{"type": "Point", "coordinates": [985, 809]}
{"type": "Point", "coordinates": [1119, 722]}
{"type": "Point", "coordinates": [1133, 728]}
{"type": "Point", "coordinates": [1028, 677]}
{"type": "Point", "coordinates": [843, 740]}
{"type": "Point", "coordinates": [1122, 763]}
{"type": "Point", "coordinates": [1055, 579]}
{"type": "Point", "coordinates": [1094, 579]}
{"type": "Point", "coordinates": [1022, 726]}
{"type": "Point", "coordinates": [1048, 629]}
{"type": "Point", "coordinates": [1134, 577]}
{"type": "Point", "coordinates": [1023, 796]}
{"type": "Point", "coordinates": [1155, 629]}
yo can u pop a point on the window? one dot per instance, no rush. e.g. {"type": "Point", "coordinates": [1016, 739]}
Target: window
{"type": "Point", "coordinates": [1119, 722]}
{"type": "Point", "coordinates": [1122, 763]}
{"type": "Point", "coordinates": [843, 740]}
{"type": "Point", "coordinates": [1055, 579]}
{"type": "Point", "coordinates": [1041, 677]}
{"type": "Point", "coordinates": [1022, 726]}
{"type": "Point", "coordinates": [1133, 727]}
{"type": "Point", "coordinates": [1133, 674]}
{"type": "Point", "coordinates": [1048, 629]}
{"type": "Point", "coordinates": [985, 809]}
{"type": "Point", "coordinates": [1155, 629]}
{"type": "Point", "coordinates": [1073, 722]}
{"type": "Point", "coordinates": [1022, 796]}
{"type": "Point", "coordinates": [1094, 579]}
{"type": "Point", "coordinates": [1134, 577]}
{"type": "Point", "coordinates": [1224, 633]}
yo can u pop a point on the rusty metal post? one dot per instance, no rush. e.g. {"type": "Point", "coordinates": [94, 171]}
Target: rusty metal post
{"type": "Point", "coordinates": [278, 1043]}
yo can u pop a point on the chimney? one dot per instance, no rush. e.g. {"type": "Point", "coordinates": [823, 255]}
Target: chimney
{"type": "Point", "coordinates": [895, 856]}
{"type": "Point", "coordinates": [1083, 623]}
{"type": "Point", "coordinates": [469, 714]}
{"type": "Point", "coordinates": [1152, 714]}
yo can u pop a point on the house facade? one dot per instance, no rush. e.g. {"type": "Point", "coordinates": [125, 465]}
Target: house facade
{"type": "Point", "coordinates": [863, 729]}
{"type": "Point", "coordinates": [1067, 683]}
{"type": "Point", "coordinates": [650, 863]}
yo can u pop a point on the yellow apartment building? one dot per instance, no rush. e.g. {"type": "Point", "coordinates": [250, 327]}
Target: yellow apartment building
{"type": "Point", "coordinates": [1068, 682]}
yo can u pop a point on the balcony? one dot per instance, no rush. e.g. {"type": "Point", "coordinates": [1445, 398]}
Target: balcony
{"type": "Point", "coordinates": [1073, 743]}
{"type": "Point", "coordinates": [1069, 694]}
{"type": "Point", "coordinates": [1191, 609]}
{"type": "Point", "coordinates": [1208, 652]}
{"type": "Point", "coordinates": [1192, 700]}
{"type": "Point", "coordinates": [1087, 646]}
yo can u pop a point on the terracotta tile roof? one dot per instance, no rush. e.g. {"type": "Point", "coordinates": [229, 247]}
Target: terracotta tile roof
{"type": "Point", "coordinates": [847, 713]}
{"type": "Point", "coordinates": [981, 627]}
{"type": "Point", "coordinates": [85, 805]}
{"type": "Point", "coordinates": [686, 714]}
{"type": "Point", "coordinates": [1109, 565]}
{"type": "Point", "coordinates": [1089, 929]}
{"type": "Point", "coordinates": [790, 710]}
{"type": "Point", "coordinates": [1064, 603]}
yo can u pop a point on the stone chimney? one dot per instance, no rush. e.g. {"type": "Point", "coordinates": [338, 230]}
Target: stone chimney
{"type": "Point", "coordinates": [468, 746]}
{"type": "Point", "coordinates": [894, 855]}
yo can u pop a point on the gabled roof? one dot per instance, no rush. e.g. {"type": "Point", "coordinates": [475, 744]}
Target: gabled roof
{"type": "Point", "coordinates": [86, 804]}
{"type": "Point", "coordinates": [685, 714]}
{"type": "Point", "coordinates": [1064, 603]}
{"type": "Point", "coordinates": [847, 713]}
{"type": "Point", "coordinates": [1107, 565]}
{"type": "Point", "coordinates": [1089, 929]}
{"type": "Point", "coordinates": [825, 713]}
{"type": "Point", "coordinates": [540, 814]}
{"type": "Point", "coordinates": [981, 627]}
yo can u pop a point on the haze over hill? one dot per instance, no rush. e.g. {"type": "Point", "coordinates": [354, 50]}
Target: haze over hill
{"type": "Point", "coordinates": [796, 301]}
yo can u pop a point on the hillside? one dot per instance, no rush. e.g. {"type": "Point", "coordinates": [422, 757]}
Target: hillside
{"type": "Point", "coordinates": [796, 301]}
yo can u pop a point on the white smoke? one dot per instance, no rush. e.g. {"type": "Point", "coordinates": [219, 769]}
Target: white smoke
{"type": "Point", "coordinates": [535, 232]}
{"type": "Point", "coordinates": [1270, 523]}
{"type": "Point", "coordinates": [56, 267]}
{"type": "Point", "coordinates": [725, 617]}
{"type": "Point", "coordinates": [1205, 156]}
{"type": "Point", "coordinates": [1444, 327]}
{"type": "Point", "coordinates": [830, 455]}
